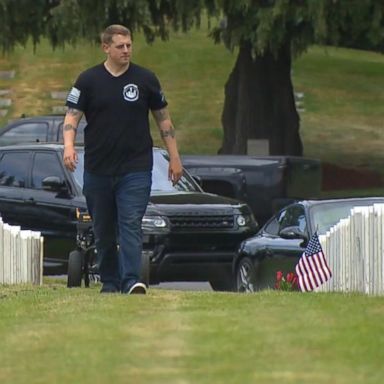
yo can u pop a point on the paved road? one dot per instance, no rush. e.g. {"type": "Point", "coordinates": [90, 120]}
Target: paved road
{"type": "Point", "coordinates": [185, 286]}
{"type": "Point", "coordinates": [182, 286]}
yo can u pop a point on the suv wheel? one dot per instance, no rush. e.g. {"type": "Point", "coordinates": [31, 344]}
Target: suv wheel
{"type": "Point", "coordinates": [75, 269]}
{"type": "Point", "coordinates": [246, 276]}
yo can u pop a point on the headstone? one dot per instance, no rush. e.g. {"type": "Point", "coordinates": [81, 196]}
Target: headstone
{"type": "Point", "coordinates": [258, 147]}
{"type": "Point", "coordinates": [7, 74]}
{"type": "Point", "coordinates": [5, 102]}
{"type": "Point", "coordinates": [59, 109]}
{"type": "Point", "coordinates": [58, 95]}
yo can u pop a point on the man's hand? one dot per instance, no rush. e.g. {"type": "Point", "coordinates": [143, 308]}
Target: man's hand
{"type": "Point", "coordinates": [70, 157]}
{"type": "Point", "coordinates": [175, 170]}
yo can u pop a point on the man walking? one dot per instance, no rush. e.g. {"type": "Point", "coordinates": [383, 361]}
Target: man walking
{"type": "Point", "coordinates": [116, 97]}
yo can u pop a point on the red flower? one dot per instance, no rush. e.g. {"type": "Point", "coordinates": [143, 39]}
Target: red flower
{"type": "Point", "coordinates": [290, 276]}
{"type": "Point", "coordinates": [288, 283]}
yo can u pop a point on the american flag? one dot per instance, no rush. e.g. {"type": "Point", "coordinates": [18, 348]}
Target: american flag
{"type": "Point", "coordinates": [312, 268]}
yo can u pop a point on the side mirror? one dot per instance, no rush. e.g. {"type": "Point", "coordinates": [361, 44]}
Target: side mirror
{"type": "Point", "coordinates": [293, 232]}
{"type": "Point", "coordinates": [54, 184]}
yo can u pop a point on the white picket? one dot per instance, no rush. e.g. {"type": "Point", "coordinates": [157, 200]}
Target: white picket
{"type": "Point", "coordinates": [354, 249]}
{"type": "Point", "coordinates": [21, 255]}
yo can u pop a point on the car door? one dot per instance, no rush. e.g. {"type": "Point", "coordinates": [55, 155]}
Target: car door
{"type": "Point", "coordinates": [51, 211]}
{"type": "Point", "coordinates": [14, 170]}
{"type": "Point", "coordinates": [283, 254]}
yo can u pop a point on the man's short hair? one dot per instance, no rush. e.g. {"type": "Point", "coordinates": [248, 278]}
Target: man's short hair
{"type": "Point", "coordinates": [114, 29]}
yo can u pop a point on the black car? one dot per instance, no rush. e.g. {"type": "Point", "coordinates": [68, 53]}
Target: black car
{"type": "Point", "coordinates": [37, 129]}
{"type": "Point", "coordinates": [282, 240]}
{"type": "Point", "coordinates": [190, 235]}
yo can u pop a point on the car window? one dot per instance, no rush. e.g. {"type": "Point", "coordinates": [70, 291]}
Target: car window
{"type": "Point", "coordinates": [326, 215]}
{"type": "Point", "coordinates": [273, 227]}
{"type": "Point", "coordinates": [45, 164]}
{"type": "Point", "coordinates": [293, 216]}
{"type": "Point", "coordinates": [27, 132]}
{"type": "Point", "coordinates": [160, 181]}
{"type": "Point", "coordinates": [14, 169]}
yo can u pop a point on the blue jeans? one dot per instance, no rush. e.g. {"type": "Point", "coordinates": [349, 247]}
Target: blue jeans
{"type": "Point", "coordinates": [117, 205]}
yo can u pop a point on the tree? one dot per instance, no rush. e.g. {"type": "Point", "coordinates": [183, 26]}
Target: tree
{"type": "Point", "coordinates": [259, 98]}
{"type": "Point", "coordinates": [266, 34]}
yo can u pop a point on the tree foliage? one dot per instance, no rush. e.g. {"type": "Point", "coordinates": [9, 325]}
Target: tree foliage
{"type": "Point", "coordinates": [268, 24]}
{"type": "Point", "coordinates": [265, 24]}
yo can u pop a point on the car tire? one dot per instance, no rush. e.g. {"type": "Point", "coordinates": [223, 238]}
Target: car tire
{"type": "Point", "coordinates": [145, 268]}
{"type": "Point", "coordinates": [221, 285]}
{"type": "Point", "coordinates": [75, 269]}
{"type": "Point", "coordinates": [246, 276]}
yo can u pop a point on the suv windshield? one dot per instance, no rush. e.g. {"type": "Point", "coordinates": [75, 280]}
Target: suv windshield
{"type": "Point", "coordinates": [160, 182]}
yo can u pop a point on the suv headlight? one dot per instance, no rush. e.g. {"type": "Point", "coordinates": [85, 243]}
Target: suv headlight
{"type": "Point", "coordinates": [155, 223]}
{"type": "Point", "coordinates": [243, 220]}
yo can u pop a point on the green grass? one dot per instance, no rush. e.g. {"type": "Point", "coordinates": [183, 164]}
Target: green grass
{"type": "Point", "coordinates": [51, 334]}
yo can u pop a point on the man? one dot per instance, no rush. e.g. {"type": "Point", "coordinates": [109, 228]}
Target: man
{"type": "Point", "coordinates": [115, 98]}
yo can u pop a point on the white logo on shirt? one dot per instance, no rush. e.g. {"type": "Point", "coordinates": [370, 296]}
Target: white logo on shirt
{"type": "Point", "coordinates": [131, 92]}
{"type": "Point", "coordinates": [74, 95]}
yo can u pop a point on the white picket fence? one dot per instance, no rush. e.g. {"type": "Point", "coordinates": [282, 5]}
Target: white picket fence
{"type": "Point", "coordinates": [21, 255]}
{"type": "Point", "coordinates": [354, 249]}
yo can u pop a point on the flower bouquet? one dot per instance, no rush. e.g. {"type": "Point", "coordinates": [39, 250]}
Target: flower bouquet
{"type": "Point", "coordinates": [286, 283]}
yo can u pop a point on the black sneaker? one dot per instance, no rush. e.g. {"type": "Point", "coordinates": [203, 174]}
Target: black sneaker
{"type": "Point", "coordinates": [137, 288]}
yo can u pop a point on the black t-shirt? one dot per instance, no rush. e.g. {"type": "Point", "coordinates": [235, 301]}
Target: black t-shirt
{"type": "Point", "coordinates": [117, 136]}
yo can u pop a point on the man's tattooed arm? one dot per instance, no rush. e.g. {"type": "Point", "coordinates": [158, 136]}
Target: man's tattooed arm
{"type": "Point", "coordinates": [161, 115]}
{"type": "Point", "coordinates": [164, 123]}
{"type": "Point", "coordinates": [72, 119]}
{"type": "Point", "coordinates": [168, 132]}
{"type": "Point", "coordinates": [71, 122]}
{"type": "Point", "coordinates": [69, 127]}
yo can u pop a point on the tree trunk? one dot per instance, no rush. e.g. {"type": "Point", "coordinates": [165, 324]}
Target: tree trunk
{"type": "Point", "coordinates": [259, 104]}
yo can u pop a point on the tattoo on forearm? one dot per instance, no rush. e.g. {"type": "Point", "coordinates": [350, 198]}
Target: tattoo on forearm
{"type": "Point", "coordinates": [69, 127]}
{"type": "Point", "coordinates": [161, 115]}
{"type": "Point", "coordinates": [168, 133]}
{"type": "Point", "coordinates": [73, 112]}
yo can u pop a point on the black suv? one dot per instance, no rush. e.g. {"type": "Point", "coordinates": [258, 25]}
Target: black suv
{"type": "Point", "coordinates": [189, 235]}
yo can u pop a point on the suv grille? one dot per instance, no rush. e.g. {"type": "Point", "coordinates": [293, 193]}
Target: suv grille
{"type": "Point", "coordinates": [184, 222]}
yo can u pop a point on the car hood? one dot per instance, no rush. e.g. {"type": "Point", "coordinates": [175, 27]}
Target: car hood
{"type": "Point", "coordinates": [193, 201]}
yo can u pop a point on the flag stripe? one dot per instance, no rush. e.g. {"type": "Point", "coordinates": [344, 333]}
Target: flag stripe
{"type": "Point", "coordinates": [312, 268]}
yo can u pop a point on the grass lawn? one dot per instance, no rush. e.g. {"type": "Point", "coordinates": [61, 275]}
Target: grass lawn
{"type": "Point", "coordinates": [51, 334]}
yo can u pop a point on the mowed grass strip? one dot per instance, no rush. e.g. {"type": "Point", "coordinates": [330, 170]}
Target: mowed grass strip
{"type": "Point", "coordinates": [54, 334]}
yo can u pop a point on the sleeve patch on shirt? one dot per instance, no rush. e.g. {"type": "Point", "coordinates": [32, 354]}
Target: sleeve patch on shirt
{"type": "Point", "coordinates": [74, 95]}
